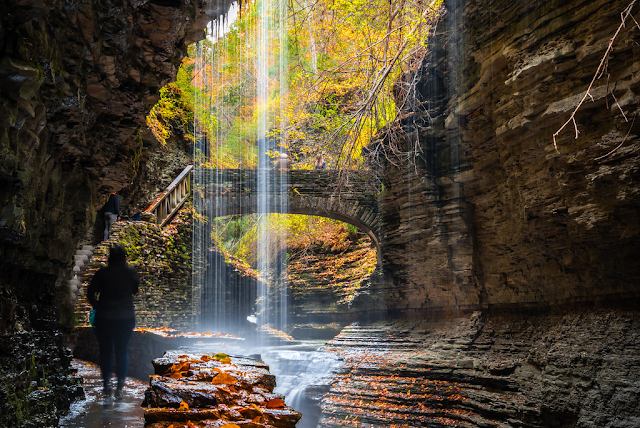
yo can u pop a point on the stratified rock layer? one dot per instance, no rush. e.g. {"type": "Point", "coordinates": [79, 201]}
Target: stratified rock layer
{"type": "Point", "coordinates": [76, 82]}
{"type": "Point", "coordinates": [561, 369]}
{"type": "Point", "coordinates": [495, 216]}
{"type": "Point", "coordinates": [214, 391]}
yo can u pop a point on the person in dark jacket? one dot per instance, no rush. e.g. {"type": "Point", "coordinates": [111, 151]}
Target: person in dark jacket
{"type": "Point", "coordinates": [111, 212]}
{"type": "Point", "coordinates": [111, 295]}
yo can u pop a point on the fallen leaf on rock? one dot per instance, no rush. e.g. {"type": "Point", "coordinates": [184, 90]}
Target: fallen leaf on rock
{"type": "Point", "coordinates": [223, 358]}
{"type": "Point", "coordinates": [275, 403]}
{"type": "Point", "coordinates": [230, 426]}
{"type": "Point", "coordinates": [223, 378]}
{"type": "Point", "coordinates": [181, 367]}
{"type": "Point", "coordinates": [183, 406]}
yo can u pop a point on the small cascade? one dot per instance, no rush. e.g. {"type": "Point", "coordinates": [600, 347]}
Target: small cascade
{"type": "Point", "coordinates": [303, 373]}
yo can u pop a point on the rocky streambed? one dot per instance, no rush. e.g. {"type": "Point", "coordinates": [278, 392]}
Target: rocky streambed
{"type": "Point", "coordinates": [560, 369]}
{"type": "Point", "coordinates": [214, 390]}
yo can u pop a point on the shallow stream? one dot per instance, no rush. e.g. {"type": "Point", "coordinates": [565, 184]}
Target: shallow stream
{"type": "Point", "coordinates": [302, 374]}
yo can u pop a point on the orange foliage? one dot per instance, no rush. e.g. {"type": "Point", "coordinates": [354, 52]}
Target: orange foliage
{"type": "Point", "coordinates": [275, 403]}
{"type": "Point", "coordinates": [223, 379]}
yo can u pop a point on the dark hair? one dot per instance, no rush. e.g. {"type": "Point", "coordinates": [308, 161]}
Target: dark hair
{"type": "Point", "coordinates": [117, 254]}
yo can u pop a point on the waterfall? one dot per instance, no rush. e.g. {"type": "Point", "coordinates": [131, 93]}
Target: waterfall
{"type": "Point", "coordinates": [239, 108]}
{"type": "Point", "coordinates": [303, 374]}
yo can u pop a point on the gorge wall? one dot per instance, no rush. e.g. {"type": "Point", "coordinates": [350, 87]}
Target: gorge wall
{"type": "Point", "coordinates": [495, 216]}
{"type": "Point", "coordinates": [76, 82]}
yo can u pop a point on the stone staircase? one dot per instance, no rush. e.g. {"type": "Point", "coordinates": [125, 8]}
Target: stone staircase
{"type": "Point", "coordinates": [76, 284]}
{"type": "Point", "coordinates": [90, 258]}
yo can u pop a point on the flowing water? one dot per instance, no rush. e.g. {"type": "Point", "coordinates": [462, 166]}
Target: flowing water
{"type": "Point", "coordinates": [303, 372]}
{"type": "Point", "coordinates": [240, 102]}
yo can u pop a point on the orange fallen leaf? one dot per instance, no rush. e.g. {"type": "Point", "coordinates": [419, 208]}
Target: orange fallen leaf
{"type": "Point", "coordinates": [183, 406]}
{"type": "Point", "coordinates": [223, 378]}
{"type": "Point", "coordinates": [230, 426]}
{"type": "Point", "coordinates": [275, 403]}
{"type": "Point", "coordinates": [180, 367]}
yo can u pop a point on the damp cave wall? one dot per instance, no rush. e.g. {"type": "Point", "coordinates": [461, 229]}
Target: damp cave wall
{"type": "Point", "coordinates": [77, 79]}
{"type": "Point", "coordinates": [491, 215]}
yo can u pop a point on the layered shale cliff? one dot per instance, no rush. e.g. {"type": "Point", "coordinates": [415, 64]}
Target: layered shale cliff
{"type": "Point", "coordinates": [491, 216]}
{"type": "Point", "coordinates": [76, 82]}
{"type": "Point", "coordinates": [494, 215]}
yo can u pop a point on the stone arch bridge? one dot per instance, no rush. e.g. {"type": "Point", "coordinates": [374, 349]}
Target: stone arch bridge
{"type": "Point", "coordinates": [345, 195]}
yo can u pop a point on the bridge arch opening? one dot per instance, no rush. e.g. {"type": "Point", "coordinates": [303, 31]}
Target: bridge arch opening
{"type": "Point", "coordinates": [305, 211]}
{"type": "Point", "coordinates": [318, 267]}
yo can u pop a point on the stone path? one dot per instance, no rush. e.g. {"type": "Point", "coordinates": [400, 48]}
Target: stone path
{"type": "Point", "coordinates": [82, 259]}
{"type": "Point", "coordinates": [93, 411]}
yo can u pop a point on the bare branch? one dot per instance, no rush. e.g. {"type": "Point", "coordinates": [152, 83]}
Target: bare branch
{"type": "Point", "coordinates": [624, 15]}
{"type": "Point", "coordinates": [623, 140]}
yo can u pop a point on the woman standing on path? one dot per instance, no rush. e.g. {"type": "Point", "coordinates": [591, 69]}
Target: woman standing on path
{"type": "Point", "coordinates": [111, 295]}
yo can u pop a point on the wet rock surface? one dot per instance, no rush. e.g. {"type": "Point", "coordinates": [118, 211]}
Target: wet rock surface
{"type": "Point", "coordinates": [563, 369]}
{"type": "Point", "coordinates": [37, 383]}
{"type": "Point", "coordinates": [76, 82]}
{"type": "Point", "coordinates": [93, 410]}
{"type": "Point", "coordinates": [214, 390]}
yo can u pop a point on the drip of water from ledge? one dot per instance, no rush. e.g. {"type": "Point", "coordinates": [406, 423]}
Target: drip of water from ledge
{"type": "Point", "coordinates": [239, 118]}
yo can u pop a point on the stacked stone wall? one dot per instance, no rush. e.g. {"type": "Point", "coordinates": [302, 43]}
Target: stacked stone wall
{"type": "Point", "coordinates": [162, 258]}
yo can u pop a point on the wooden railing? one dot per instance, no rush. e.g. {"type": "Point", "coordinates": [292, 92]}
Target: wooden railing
{"type": "Point", "coordinates": [167, 203]}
